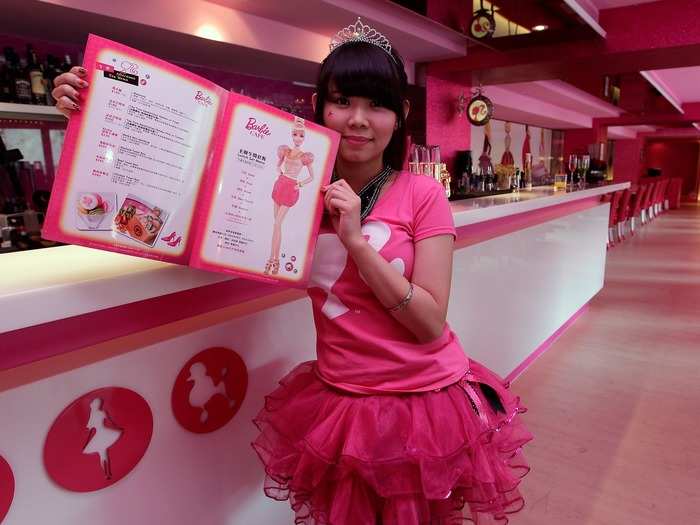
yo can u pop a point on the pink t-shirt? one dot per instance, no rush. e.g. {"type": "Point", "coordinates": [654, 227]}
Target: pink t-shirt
{"type": "Point", "coordinates": [361, 347]}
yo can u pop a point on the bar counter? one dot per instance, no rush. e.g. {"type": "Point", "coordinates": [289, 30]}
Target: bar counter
{"type": "Point", "coordinates": [73, 320]}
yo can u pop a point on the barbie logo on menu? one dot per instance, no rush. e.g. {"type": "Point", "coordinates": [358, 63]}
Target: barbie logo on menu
{"type": "Point", "coordinates": [164, 164]}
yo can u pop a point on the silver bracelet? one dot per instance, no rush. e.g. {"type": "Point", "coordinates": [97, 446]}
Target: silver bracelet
{"type": "Point", "coordinates": [404, 302]}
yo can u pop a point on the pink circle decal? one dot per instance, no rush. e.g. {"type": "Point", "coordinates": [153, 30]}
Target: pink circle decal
{"type": "Point", "coordinates": [209, 390]}
{"type": "Point", "coordinates": [98, 439]}
{"type": "Point", "coordinates": [7, 488]}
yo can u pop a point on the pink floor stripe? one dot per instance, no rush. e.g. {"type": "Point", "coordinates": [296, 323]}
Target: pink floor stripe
{"type": "Point", "coordinates": [545, 346]}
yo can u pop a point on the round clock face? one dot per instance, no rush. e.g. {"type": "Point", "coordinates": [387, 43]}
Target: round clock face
{"type": "Point", "coordinates": [482, 26]}
{"type": "Point", "coordinates": [479, 110]}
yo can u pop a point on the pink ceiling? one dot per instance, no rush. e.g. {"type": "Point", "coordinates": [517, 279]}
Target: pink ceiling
{"type": "Point", "coordinates": [628, 132]}
{"type": "Point", "coordinates": [610, 4]}
{"type": "Point", "coordinates": [681, 83]}
{"type": "Point", "coordinates": [549, 104]}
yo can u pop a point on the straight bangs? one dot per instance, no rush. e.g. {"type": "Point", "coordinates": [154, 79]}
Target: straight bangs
{"type": "Point", "coordinates": [364, 70]}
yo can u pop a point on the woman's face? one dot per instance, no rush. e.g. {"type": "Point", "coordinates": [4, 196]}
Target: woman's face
{"type": "Point", "coordinates": [365, 127]}
{"type": "Point", "coordinates": [297, 137]}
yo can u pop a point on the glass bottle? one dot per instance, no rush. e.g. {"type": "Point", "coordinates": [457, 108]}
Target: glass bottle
{"type": "Point", "coordinates": [5, 91]}
{"type": "Point", "coordinates": [36, 77]}
{"type": "Point", "coordinates": [23, 87]}
{"type": "Point", "coordinates": [9, 78]}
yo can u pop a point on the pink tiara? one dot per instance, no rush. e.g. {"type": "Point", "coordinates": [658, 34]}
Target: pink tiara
{"type": "Point", "coordinates": [359, 32]}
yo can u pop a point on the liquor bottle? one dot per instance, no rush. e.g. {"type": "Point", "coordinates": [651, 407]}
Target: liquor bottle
{"type": "Point", "coordinates": [23, 88]}
{"type": "Point", "coordinates": [52, 70]}
{"type": "Point", "coordinates": [36, 77]}
{"type": "Point", "coordinates": [67, 64]}
{"type": "Point", "coordinates": [5, 91]}
{"type": "Point", "coordinates": [10, 57]}
{"type": "Point", "coordinates": [527, 172]}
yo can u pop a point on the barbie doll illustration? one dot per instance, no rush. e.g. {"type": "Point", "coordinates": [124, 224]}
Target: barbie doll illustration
{"type": "Point", "coordinates": [485, 164]}
{"type": "Point", "coordinates": [526, 144]}
{"type": "Point", "coordinates": [285, 192]}
{"type": "Point", "coordinates": [540, 169]}
{"type": "Point", "coordinates": [103, 434]}
{"type": "Point", "coordinates": [507, 157]}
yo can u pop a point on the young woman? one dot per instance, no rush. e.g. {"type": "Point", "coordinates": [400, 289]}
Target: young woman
{"type": "Point", "coordinates": [393, 423]}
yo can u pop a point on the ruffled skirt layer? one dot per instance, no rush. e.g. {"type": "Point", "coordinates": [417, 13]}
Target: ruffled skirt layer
{"type": "Point", "coordinates": [432, 458]}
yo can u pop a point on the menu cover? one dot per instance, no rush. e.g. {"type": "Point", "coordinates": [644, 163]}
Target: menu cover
{"type": "Point", "coordinates": [164, 164]}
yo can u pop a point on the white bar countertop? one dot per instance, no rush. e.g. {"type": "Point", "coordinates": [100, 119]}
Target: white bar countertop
{"type": "Point", "coordinates": [472, 211]}
{"type": "Point", "coordinates": [40, 286]}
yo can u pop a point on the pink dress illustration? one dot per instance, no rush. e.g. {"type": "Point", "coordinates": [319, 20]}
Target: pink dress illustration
{"type": "Point", "coordinates": [526, 144]}
{"type": "Point", "coordinates": [103, 434]}
{"type": "Point", "coordinates": [485, 164]}
{"type": "Point", "coordinates": [540, 169]}
{"type": "Point", "coordinates": [285, 192]}
{"type": "Point", "coordinates": [507, 157]}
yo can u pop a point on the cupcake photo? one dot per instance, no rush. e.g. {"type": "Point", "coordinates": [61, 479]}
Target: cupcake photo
{"type": "Point", "coordinates": [93, 208]}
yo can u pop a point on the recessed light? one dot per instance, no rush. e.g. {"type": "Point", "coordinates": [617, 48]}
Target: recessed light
{"type": "Point", "coordinates": [540, 27]}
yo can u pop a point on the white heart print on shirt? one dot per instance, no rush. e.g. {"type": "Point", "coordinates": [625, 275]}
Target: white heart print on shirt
{"type": "Point", "coordinates": [331, 259]}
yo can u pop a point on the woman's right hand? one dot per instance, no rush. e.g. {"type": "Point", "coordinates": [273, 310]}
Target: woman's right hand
{"type": "Point", "coordinates": [65, 91]}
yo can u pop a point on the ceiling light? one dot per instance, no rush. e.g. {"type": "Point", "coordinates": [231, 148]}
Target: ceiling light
{"type": "Point", "coordinates": [696, 125]}
{"type": "Point", "coordinates": [209, 31]}
{"type": "Point", "coordinates": [540, 27]}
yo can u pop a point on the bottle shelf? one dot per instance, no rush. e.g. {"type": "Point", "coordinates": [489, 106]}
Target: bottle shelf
{"type": "Point", "coordinates": [29, 112]}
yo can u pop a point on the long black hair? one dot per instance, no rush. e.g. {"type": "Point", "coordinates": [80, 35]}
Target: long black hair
{"type": "Point", "coordinates": [361, 69]}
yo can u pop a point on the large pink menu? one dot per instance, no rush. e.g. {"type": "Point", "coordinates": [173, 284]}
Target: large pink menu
{"type": "Point", "coordinates": [164, 164]}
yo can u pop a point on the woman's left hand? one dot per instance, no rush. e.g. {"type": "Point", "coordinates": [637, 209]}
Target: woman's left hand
{"type": "Point", "coordinates": [343, 204]}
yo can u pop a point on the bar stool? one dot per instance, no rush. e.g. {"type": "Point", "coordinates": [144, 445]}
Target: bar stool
{"type": "Point", "coordinates": [654, 211]}
{"type": "Point", "coordinates": [651, 209]}
{"type": "Point", "coordinates": [636, 205]}
{"type": "Point", "coordinates": [662, 196]}
{"type": "Point", "coordinates": [646, 204]}
{"type": "Point", "coordinates": [612, 220]}
{"type": "Point", "coordinates": [623, 213]}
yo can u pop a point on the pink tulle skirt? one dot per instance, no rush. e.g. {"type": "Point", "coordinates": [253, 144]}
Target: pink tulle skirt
{"type": "Point", "coordinates": [436, 458]}
{"type": "Point", "coordinates": [285, 191]}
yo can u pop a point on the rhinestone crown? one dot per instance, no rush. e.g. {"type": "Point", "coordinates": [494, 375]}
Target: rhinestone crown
{"type": "Point", "coordinates": [359, 32]}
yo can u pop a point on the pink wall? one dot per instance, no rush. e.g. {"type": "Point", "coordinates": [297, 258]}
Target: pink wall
{"type": "Point", "coordinates": [627, 163]}
{"type": "Point", "coordinates": [450, 13]}
{"type": "Point", "coordinates": [443, 126]}
{"type": "Point", "coordinates": [577, 140]}
{"type": "Point", "coordinates": [675, 159]}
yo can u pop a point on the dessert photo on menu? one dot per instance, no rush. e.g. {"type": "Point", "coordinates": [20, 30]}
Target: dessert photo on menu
{"type": "Point", "coordinates": [164, 164]}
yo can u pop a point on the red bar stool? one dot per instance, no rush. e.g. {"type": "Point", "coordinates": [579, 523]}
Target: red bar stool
{"type": "Point", "coordinates": [662, 196]}
{"type": "Point", "coordinates": [655, 208]}
{"type": "Point", "coordinates": [623, 213]}
{"type": "Point", "coordinates": [652, 201]}
{"type": "Point", "coordinates": [612, 221]}
{"type": "Point", "coordinates": [646, 204]}
{"type": "Point", "coordinates": [636, 205]}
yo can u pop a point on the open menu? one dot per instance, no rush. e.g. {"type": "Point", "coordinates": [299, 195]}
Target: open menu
{"type": "Point", "coordinates": [164, 164]}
